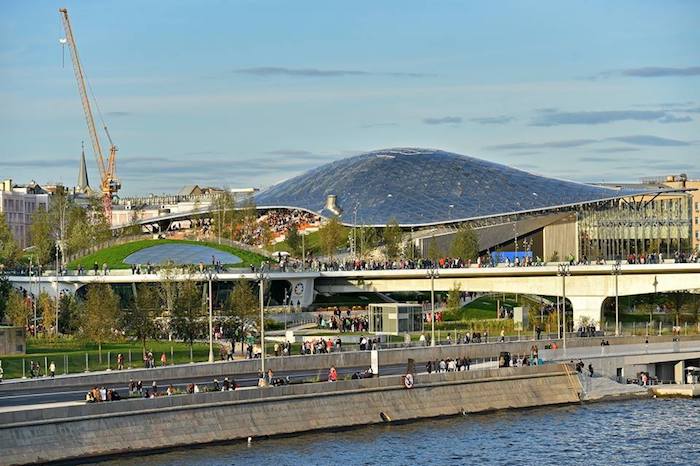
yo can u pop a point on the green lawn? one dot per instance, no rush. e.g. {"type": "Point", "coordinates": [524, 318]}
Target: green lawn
{"type": "Point", "coordinates": [479, 309]}
{"type": "Point", "coordinates": [114, 256]}
{"type": "Point", "coordinates": [73, 353]}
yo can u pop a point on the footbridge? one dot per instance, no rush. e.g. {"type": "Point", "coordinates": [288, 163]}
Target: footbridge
{"type": "Point", "coordinates": [585, 286]}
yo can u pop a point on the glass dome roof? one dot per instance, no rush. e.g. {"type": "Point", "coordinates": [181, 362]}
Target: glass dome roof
{"type": "Point", "coordinates": [425, 186]}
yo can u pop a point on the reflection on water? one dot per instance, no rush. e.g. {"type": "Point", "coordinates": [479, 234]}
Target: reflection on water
{"type": "Point", "coordinates": [650, 431]}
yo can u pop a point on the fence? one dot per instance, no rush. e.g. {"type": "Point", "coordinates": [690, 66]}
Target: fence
{"type": "Point", "coordinates": [89, 361]}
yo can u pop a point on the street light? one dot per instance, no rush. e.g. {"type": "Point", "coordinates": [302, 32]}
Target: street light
{"type": "Point", "coordinates": [262, 275]}
{"type": "Point", "coordinates": [211, 275]}
{"type": "Point", "coordinates": [617, 271]}
{"type": "Point", "coordinates": [433, 273]}
{"type": "Point", "coordinates": [563, 271]}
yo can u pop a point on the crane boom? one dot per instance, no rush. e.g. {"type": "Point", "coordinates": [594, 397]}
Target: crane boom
{"type": "Point", "coordinates": [109, 183]}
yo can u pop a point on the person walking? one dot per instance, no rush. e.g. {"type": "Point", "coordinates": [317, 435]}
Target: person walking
{"type": "Point", "coordinates": [52, 369]}
{"type": "Point", "coordinates": [163, 359]}
{"type": "Point", "coordinates": [2, 372]}
{"type": "Point", "coordinates": [332, 374]}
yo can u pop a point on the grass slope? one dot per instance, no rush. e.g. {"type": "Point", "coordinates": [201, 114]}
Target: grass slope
{"type": "Point", "coordinates": [114, 256]}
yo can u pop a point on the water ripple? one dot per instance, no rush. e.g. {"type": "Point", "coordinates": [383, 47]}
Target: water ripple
{"type": "Point", "coordinates": [640, 432]}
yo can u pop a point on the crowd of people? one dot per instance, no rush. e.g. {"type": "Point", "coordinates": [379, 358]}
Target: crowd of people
{"type": "Point", "coordinates": [347, 323]}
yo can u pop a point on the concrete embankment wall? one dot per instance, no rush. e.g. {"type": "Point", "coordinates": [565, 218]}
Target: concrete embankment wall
{"type": "Point", "coordinates": [112, 428]}
{"type": "Point", "coordinates": [314, 362]}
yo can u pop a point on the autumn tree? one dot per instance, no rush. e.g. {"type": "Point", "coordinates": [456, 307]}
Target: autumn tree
{"type": "Point", "coordinates": [69, 313]}
{"type": "Point", "coordinates": [331, 236]}
{"type": "Point", "coordinates": [139, 316]}
{"type": "Point", "coordinates": [5, 291]}
{"type": "Point", "coordinates": [454, 297]}
{"type": "Point", "coordinates": [42, 237]}
{"type": "Point", "coordinates": [392, 239]}
{"type": "Point", "coordinates": [18, 309]}
{"type": "Point", "coordinates": [46, 307]}
{"type": "Point", "coordinates": [240, 311]}
{"type": "Point", "coordinates": [101, 314]}
{"type": "Point", "coordinates": [9, 250]}
{"type": "Point", "coordinates": [188, 312]}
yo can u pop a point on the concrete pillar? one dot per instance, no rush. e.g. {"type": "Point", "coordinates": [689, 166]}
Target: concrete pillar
{"type": "Point", "coordinates": [679, 372]}
{"type": "Point", "coordinates": [589, 307]}
{"type": "Point", "coordinates": [302, 292]}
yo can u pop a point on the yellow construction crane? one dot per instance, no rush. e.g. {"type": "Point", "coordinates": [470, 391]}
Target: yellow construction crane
{"type": "Point", "coordinates": [110, 184]}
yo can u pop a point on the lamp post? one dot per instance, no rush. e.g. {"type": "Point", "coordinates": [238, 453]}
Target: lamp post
{"type": "Point", "coordinates": [210, 277]}
{"type": "Point", "coordinates": [261, 276]}
{"type": "Point", "coordinates": [432, 274]}
{"type": "Point", "coordinates": [563, 271]}
{"type": "Point", "coordinates": [616, 271]}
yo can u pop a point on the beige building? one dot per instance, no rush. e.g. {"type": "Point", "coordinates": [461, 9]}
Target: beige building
{"type": "Point", "coordinates": [682, 181]}
{"type": "Point", "coordinates": [12, 341]}
{"type": "Point", "coordinates": [18, 203]}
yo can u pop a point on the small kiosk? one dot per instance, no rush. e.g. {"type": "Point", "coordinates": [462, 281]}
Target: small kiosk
{"type": "Point", "coordinates": [395, 318]}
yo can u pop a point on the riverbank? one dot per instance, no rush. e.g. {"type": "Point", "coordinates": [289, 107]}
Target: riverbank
{"type": "Point", "coordinates": [75, 432]}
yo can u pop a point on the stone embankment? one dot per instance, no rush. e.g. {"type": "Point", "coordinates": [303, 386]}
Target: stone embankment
{"type": "Point", "coordinates": [73, 432]}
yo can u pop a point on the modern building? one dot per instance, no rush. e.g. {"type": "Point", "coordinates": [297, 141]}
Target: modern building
{"type": "Point", "coordinates": [395, 318]}
{"type": "Point", "coordinates": [430, 193]}
{"type": "Point", "coordinates": [18, 203]}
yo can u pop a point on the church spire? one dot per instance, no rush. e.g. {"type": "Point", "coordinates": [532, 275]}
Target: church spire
{"type": "Point", "coordinates": [83, 183]}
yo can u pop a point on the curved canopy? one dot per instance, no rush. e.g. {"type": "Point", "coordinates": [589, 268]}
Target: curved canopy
{"type": "Point", "coordinates": [425, 186]}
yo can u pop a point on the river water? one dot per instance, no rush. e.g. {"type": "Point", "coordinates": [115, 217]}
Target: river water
{"type": "Point", "coordinates": [648, 431]}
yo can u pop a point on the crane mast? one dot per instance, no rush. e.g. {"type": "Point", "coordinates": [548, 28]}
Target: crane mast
{"type": "Point", "coordinates": [109, 183]}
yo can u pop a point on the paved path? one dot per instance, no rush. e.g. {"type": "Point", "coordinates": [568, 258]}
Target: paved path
{"type": "Point", "coordinates": [619, 350]}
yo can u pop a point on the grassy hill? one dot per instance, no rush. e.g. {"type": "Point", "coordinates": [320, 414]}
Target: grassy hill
{"type": "Point", "coordinates": [114, 256]}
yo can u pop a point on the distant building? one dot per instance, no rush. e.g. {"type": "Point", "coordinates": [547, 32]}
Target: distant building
{"type": "Point", "coordinates": [18, 203]}
{"type": "Point", "coordinates": [681, 181]}
{"type": "Point", "coordinates": [12, 340]}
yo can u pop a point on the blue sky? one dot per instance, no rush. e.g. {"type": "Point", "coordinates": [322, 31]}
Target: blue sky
{"type": "Point", "coordinates": [248, 93]}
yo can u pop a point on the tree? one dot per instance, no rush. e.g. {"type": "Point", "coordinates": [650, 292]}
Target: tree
{"type": "Point", "coordinates": [266, 235]}
{"type": "Point", "coordinates": [367, 240]}
{"type": "Point", "coordinates": [433, 249]}
{"type": "Point", "coordinates": [188, 312]}
{"type": "Point", "coordinates": [101, 313]}
{"type": "Point", "coordinates": [69, 313]}
{"type": "Point", "coordinates": [294, 240]}
{"type": "Point", "coordinates": [9, 250]}
{"type": "Point", "coordinates": [139, 317]}
{"type": "Point", "coordinates": [392, 239]}
{"type": "Point", "coordinates": [5, 291]}
{"type": "Point", "coordinates": [46, 306]}
{"type": "Point", "coordinates": [465, 244]}
{"type": "Point", "coordinates": [42, 236]}
{"type": "Point", "coordinates": [331, 236]}
{"type": "Point", "coordinates": [18, 309]}
{"type": "Point", "coordinates": [454, 297]}
{"type": "Point", "coordinates": [240, 311]}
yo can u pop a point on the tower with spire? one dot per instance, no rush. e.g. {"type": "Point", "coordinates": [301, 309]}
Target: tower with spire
{"type": "Point", "coordinates": [83, 183]}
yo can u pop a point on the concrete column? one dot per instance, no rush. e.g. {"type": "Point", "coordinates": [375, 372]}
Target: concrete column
{"type": "Point", "coordinates": [587, 307]}
{"type": "Point", "coordinates": [679, 372]}
{"type": "Point", "coordinates": [302, 291]}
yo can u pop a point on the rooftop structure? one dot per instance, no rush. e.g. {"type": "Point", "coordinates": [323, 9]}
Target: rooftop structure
{"type": "Point", "coordinates": [421, 187]}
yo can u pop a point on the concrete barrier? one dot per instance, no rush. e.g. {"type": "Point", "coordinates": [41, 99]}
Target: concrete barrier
{"type": "Point", "coordinates": [79, 432]}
